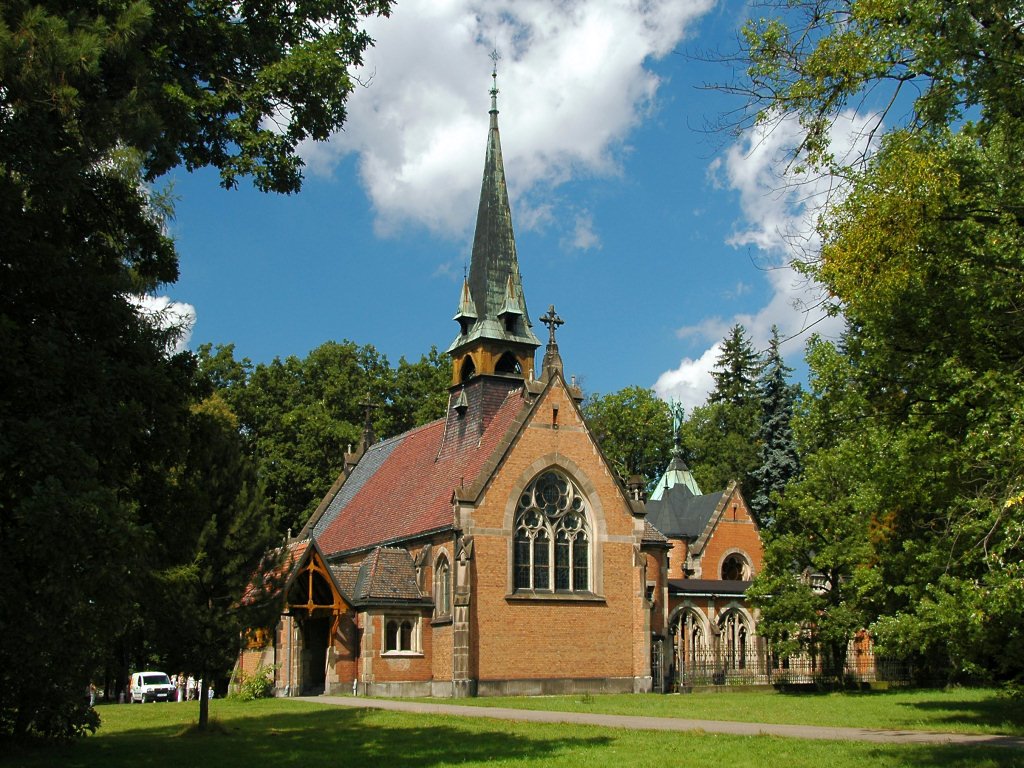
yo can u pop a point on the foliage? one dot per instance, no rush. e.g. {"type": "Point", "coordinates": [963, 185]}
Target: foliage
{"type": "Point", "coordinates": [98, 97]}
{"type": "Point", "coordinates": [736, 370]}
{"type": "Point", "coordinates": [258, 685]}
{"type": "Point", "coordinates": [924, 256]}
{"type": "Point", "coordinates": [947, 61]}
{"type": "Point", "coordinates": [227, 538]}
{"type": "Point", "coordinates": [777, 452]}
{"type": "Point", "coordinates": [634, 430]}
{"type": "Point", "coordinates": [299, 416]}
{"type": "Point", "coordinates": [719, 440]}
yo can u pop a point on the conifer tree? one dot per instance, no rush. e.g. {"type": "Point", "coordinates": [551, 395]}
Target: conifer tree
{"type": "Point", "coordinates": [736, 369]}
{"type": "Point", "coordinates": [225, 542]}
{"type": "Point", "coordinates": [720, 438]}
{"type": "Point", "coordinates": [777, 450]}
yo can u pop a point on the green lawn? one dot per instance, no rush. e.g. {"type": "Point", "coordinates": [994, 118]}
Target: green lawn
{"type": "Point", "coordinates": [959, 710]}
{"type": "Point", "coordinates": [277, 733]}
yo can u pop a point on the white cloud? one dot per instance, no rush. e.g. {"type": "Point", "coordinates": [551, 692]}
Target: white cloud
{"type": "Point", "coordinates": [690, 383]}
{"type": "Point", "coordinates": [162, 312]}
{"type": "Point", "coordinates": [573, 83]}
{"type": "Point", "coordinates": [779, 209]}
{"type": "Point", "coordinates": [584, 237]}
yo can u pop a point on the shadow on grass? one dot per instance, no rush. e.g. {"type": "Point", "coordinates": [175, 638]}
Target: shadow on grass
{"type": "Point", "coordinates": [335, 737]}
{"type": "Point", "coordinates": [1001, 713]}
{"type": "Point", "coordinates": [295, 734]}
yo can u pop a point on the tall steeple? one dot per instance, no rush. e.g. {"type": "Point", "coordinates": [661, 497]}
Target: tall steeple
{"type": "Point", "coordinates": [495, 332]}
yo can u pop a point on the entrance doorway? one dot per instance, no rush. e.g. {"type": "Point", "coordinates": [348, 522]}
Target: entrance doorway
{"type": "Point", "coordinates": [315, 637]}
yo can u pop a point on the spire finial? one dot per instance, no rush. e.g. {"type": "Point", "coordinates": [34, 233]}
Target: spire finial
{"type": "Point", "coordinates": [495, 56]}
{"type": "Point", "coordinates": [552, 321]}
{"type": "Point", "coordinates": [552, 360]}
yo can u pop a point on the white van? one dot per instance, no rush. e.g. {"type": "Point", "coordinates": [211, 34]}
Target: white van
{"type": "Point", "coordinates": [150, 686]}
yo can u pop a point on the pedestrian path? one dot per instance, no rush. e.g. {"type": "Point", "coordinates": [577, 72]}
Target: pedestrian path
{"type": "Point", "coordinates": [676, 724]}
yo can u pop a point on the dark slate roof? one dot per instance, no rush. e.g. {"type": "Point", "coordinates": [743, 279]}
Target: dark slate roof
{"type": "Point", "coordinates": [680, 514]}
{"type": "Point", "coordinates": [494, 282]}
{"type": "Point", "coordinates": [387, 575]}
{"type": "Point", "coordinates": [708, 587]}
{"type": "Point", "coordinates": [403, 487]}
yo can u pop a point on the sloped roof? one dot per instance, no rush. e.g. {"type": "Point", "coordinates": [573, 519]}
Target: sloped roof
{"type": "Point", "coordinates": [388, 574]}
{"type": "Point", "coordinates": [274, 579]}
{"type": "Point", "coordinates": [402, 487]}
{"type": "Point", "coordinates": [680, 514]}
{"type": "Point", "coordinates": [652, 534]}
{"type": "Point", "coordinates": [677, 473]}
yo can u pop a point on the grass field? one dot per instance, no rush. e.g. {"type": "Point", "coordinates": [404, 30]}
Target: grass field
{"type": "Point", "coordinates": [278, 732]}
{"type": "Point", "coordinates": [957, 710]}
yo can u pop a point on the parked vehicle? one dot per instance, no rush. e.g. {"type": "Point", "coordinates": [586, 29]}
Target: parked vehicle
{"type": "Point", "coordinates": [150, 686]}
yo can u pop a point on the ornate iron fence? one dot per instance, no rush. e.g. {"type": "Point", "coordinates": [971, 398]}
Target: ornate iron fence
{"type": "Point", "coordinates": [758, 666]}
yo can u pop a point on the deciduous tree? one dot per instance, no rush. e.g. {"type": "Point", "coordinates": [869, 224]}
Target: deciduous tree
{"type": "Point", "coordinates": [96, 99]}
{"type": "Point", "coordinates": [634, 428]}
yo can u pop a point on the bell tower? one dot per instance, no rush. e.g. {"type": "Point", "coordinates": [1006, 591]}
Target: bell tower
{"type": "Point", "coordinates": [495, 336]}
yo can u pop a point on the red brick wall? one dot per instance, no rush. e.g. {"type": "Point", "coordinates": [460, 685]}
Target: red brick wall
{"type": "Point", "coordinates": [677, 559]}
{"type": "Point", "coordinates": [537, 639]}
{"type": "Point", "coordinates": [400, 668]}
{"type": "Point", "coordinates": [736, 530]}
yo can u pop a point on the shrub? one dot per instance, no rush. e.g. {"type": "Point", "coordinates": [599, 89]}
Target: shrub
{"type": "Point", "coordinates": [258, 685]}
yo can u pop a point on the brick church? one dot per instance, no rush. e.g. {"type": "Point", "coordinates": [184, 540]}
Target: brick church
{"type": "Point", "coordinates": [495, 551]}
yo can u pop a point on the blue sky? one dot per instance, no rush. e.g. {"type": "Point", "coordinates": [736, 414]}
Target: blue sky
{"type": "Point", "coordinates": [650, 235]}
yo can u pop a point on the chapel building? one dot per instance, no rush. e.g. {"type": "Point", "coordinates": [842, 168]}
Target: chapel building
{"type": "Point", "coordinates": [495, 551]}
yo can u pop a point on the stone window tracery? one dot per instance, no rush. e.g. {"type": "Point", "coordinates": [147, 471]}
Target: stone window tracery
{"type": "Point", "coordinates": [734, 639]}
{"type": "Point", "coordinates": [552, 536]}
{"type": "Point", "coordinates": [736, 567]}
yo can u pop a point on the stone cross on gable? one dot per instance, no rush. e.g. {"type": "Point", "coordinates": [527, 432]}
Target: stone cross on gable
{"type": "Point", "coordinates": [552, 321]}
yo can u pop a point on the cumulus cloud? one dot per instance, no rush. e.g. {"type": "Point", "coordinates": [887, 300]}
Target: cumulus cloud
{"type": "Point", "coordinates": [779, 208]}
{"type": "Point", "coordinates": [584, 236]}
{"type": "Point", "coordinates": [572, 82]}
{"type": "Point", "coordinates": [690, 383]}
{"type": "Point", "coordinates": [164, 313]}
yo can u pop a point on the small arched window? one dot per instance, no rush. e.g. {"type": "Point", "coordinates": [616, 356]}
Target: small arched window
{"type": "Point", "coordinates": [401, 635]}
{"type": "Point", "coordinates": [468, 369]}
{"type": "Point", "coordinates": [551, 548]}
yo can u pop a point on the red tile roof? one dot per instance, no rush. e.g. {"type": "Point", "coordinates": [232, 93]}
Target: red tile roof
{"type": "Point", "coordinates": [403, 486]}
{"type": "Point", "coordinates": [270, 582]}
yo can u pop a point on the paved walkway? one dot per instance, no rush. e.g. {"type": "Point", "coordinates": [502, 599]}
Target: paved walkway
{"type": "Point", "coordinates": [675, 724]}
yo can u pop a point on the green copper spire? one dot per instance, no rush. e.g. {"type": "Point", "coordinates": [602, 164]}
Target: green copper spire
{"type": "Point", "coordinates": [497, 310]}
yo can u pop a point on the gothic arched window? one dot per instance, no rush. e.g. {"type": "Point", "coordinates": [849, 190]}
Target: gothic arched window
{"type": "Point", "coordinates": [734, 637]}
{"type": "Point", "coordinates": [552, 536]}
{"type": "Point", "coordinates": [442, 587]}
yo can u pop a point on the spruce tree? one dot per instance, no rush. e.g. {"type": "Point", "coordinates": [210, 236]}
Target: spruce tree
{"type": "Point", "coordinates": [720, 438]}
{"type": "Point", "coordinates": [777, 451]}
{"type": "Point", "coordinates": [736, 369]}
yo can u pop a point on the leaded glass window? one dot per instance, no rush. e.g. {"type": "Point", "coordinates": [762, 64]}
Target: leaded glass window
{"type": "Point", "coordinates": [551, 540]}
